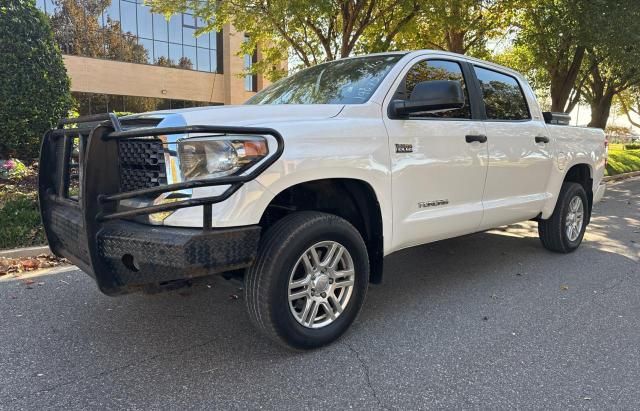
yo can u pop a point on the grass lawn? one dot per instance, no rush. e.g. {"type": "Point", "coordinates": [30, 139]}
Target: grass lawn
{"type": "Point", "coordinates": [623, 161]}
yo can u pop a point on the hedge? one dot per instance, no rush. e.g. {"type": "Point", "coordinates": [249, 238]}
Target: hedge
{"type": "Point", "coordinates": [34, 87]}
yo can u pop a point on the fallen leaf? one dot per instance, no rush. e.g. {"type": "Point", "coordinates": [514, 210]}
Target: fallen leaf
{"type": "Point", "coordinates": [30, 264]}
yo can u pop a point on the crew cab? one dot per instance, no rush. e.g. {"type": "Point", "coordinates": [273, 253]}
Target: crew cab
{"type": "Point", "coordinates": [302, 191]}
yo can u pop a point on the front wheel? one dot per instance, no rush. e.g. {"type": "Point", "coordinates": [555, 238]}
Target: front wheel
{"type": "Point", "coordinates": [564, 230]}
{"type": "Point", "coordinates": [309, 280]}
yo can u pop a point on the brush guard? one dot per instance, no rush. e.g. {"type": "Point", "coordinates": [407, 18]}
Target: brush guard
{"type": "Point", "coordinates": [80, 192]}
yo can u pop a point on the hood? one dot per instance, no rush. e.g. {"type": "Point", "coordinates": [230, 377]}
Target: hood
{"type": "Point", "coordinates": [247, 115]}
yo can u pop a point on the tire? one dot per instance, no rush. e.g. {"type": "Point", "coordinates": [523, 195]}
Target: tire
{"type": "Point", "coordinates": [553, 232]}
{"type": "Point", "coordinates": [280, 262]}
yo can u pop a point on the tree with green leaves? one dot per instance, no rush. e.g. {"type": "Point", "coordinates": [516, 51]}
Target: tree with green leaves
{"type": "Point", "coordinates": [581, 51]}
{"type": "Point", "coordinates": [314, 30]}
{"type": "Point", "coordinates": [629, 102]}
{"type": "Point", "coordinates": [459, 26]}
{"type": "Point", "coordinates": [34, 87]}
{"type": "Point", "coordinates": [607, 78]}
{"type": "Point", "coordinates": [611, 66]}
{"type": "Point", "coordinates": [557, 35]}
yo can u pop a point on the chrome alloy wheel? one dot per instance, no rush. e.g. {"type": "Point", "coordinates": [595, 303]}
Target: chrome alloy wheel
{"type": "Point", "coordinates": [575, 218]}
{"type": "Point", "coordinates": [321, 284]}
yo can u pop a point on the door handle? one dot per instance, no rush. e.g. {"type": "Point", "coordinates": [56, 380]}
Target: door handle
{"type": "Point", "coordinates": [480, 138]}
{"type": "Point", "coordinates": [542, 139]}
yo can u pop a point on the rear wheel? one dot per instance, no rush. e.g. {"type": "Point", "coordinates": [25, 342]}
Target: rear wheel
{"type": "Point", "coordinates": [564, 230]}
{"type": "Point", "coordinates": [309, 280]}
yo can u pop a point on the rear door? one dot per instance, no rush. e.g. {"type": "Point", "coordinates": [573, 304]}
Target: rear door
{"type": "Point", "coordinates": [437, 175]}
{"type": "Point", "coordinates": [520, 157]}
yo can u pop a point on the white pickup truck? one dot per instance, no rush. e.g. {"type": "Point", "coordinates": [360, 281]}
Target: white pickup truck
{"type": "Point", "coordinates": [303, 191]}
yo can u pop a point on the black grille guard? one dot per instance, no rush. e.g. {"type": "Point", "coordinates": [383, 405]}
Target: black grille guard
{"type": "Point", "coordinates": [72, 224]}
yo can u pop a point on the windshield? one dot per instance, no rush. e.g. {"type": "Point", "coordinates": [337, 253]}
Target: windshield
{"type": "Point", "coordinates": [349, 81]}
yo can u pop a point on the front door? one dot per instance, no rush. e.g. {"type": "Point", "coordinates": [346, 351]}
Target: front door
{"type": "Point", "coordinates": [438, 167]}
{"type": "Point", "coordinates": [520, 157]}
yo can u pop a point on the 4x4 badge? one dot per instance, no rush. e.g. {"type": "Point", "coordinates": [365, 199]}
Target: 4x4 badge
{"type": "Point", "coordinates": [404, 148]}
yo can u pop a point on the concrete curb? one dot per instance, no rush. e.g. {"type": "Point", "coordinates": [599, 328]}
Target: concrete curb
{"type": "Point", "coordinates": [623, 176]}
{"type": "Point", "coordinates": [25, 252]}
{"type": "Point", "coordinates": [27, 275]}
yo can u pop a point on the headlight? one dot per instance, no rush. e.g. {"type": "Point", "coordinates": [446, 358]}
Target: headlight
{"type": "Point", "coordinates": [206, 157]}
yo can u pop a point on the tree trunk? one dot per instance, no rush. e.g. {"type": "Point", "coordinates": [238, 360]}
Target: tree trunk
{"type": "Point", "coordinates": [563, 81]}
{"type": "Point", "coordinates": [600, 110]}
{"type": "Point", "coordinates": [455, 41]}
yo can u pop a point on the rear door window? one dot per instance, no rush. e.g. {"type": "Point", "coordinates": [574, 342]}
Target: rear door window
{"type": "Point", "coordinates": [502, 95]}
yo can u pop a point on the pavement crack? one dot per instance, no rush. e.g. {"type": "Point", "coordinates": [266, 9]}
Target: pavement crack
{"type": "Point", "coordinates": [367, 377]}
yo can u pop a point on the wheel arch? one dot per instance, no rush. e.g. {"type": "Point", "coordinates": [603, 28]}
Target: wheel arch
{"type": "Point", "coordinates": [582, 173]}
{"type": "Point", "coordinates": [579, 172]}
{"type": "Point", "coordinates": [353, 199]}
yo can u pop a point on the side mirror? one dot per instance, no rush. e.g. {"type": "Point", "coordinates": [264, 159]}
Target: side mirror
{"type": "Point", "coordinates": [428, 96]}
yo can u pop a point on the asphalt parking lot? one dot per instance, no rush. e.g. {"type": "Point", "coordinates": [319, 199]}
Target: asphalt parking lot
{"type": "Point", "coordinates": [485, 321]}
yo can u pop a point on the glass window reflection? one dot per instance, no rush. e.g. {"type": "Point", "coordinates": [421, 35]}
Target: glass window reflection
{"type": "Point", "coordinates": [112, 12]}
{"type": "Point", "coordinates": [175, 29]}
{"type": "Point", "coordinates": [189, 36]}
{"type": "Point", "coordinates": [248, 79]}
{"type": "Point", "coordinates": [148, 46]}
{"type": "Point", "coordinates": [214, 61]}
{"type": "Point", "coordinates": [160, 51]}
{"type": "Point", "coordinates": [49, 6]}
{"type": "Point", "coordinates": [189, 53]}
{"type": "Point", "coordinates": [203, 60]}
{"type": "Point", "coordinates": [203, 40]}
{"type": "Point", "coordinates": [429, 70]}
{"type": "Point", "coordinates": [91, 103]}
{"type": "Point", "coordinates": [169, 42]}
{"type": "Point", "coordinates": [160, 31]}
{"type": "Point", "coordinates": [145, 23]}
{"type": "Point", "coordinates": [503, 97]}
{"type": "Point", "coordinates": [128, 17]}
{"type": "Point", "coordinates": [175, 52]}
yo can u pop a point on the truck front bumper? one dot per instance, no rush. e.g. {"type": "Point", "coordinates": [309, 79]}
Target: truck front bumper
{"type": "Point", "coordinates": [129, 256]}
{"type": "Point", "coordinates": [85, 223]}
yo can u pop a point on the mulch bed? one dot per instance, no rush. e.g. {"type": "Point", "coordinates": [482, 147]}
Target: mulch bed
{"type": "Point", "coordinates": [21, 265]}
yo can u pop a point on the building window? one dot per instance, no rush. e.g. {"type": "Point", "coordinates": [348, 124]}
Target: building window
{"type": "Point", "coordinates": [130, 32]}
{"type": "Point", "coordinates": [92, 103]}
{"type": "Point", "coordinates": [250, 80]}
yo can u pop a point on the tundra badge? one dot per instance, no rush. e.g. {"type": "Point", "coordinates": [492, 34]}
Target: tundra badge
{"type": "Point", "coordinates": [404, 148]}
{"type": "Point", "coordinates": [432, 203]}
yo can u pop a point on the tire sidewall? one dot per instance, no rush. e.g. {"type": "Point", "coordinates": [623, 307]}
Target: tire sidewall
{"type": "Point", "coordinates": [573, 191]}
{"type": "Point", "coordinates": [284, 322]}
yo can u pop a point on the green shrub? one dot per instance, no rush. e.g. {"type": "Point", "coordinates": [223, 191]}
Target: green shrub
{"type": "Point", "coordinates": [34, 87]}
{"type": "Point", "coordinates": [633, 146]}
